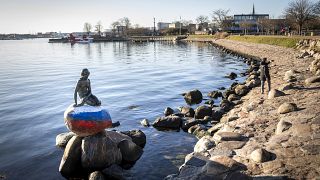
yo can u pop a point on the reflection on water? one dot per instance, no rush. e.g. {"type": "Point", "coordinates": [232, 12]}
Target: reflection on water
{"type": "Point", "coordinates": [37, 83]}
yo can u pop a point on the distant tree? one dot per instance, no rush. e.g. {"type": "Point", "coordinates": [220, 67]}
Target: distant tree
{"type": "Point", "coordinates": [186, 22]}
{"type": "Point", "coordinates": [300, 11]}
{"type": "Point", "coordinates": [125, 22]}
{"type": "Point", "coordinates": [87, 27]}
{"type": "Point", "coordinates": [136, 26]}
{"type": "Point", "coordinates": [99, 27]}
{"type": "Point", "coordinates": [114, 26]}
{"type": "Point", "coordinates": [316, 8]}
{"type": "Point", "coordinates": [201, 20]}
{"type": "Point", "coordinates": [264, 24]}
{"type": "Point", "coordinates": [245, 25]}
{"type": "Point", "coordinates": [219, 18]}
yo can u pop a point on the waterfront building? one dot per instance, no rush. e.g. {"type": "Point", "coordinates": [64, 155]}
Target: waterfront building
{"type": "Point", "coordinates": [162, 26]}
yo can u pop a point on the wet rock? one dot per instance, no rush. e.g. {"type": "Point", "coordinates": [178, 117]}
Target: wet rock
{"type": "Point", "coordinates": [117, 137]}
{"type": "Point", "coordinates": [186, 124]}
{"type": "Point", "coordinates": [273, 93]}
{"type": "Point", "coordinates": [196, 127]}
{"type": "Point", "coordinates": [193, 97]}
{"type": "Point", "coordinates": [312, 80]}
{"type": "Point", "coordinates": [70, 163]}
{"type": "Point", "coordinates": [187, 111]}
{"type": "Point", "coordinates": [168, 122]}
{"type": "Point", "coordinates": [99, 152]}
{"type": "Point", "coordinates": [210, 102]}
{"type": "Point", "coordinates": [145, 122]}
{"type": "Point", "coordinates": [226, 105]}
{"type": "Point", "coordinates": [221, 88]}
{"type": "Point", "coordinates": [260, 155]}
{"type": "Point", "coordinates": [137, 137]}
{"type": "Point", "coordinates": [287, 107]}
{"type": "Point", "coordinates": [286, 87]}
{"type": "Point", "coordinates": [168, 111]}
{"type": "Point", "coordinates": [233, 97]}
{"type": "Point", "coordinates": [204, 144]}
{"type": "Point", "coordinates": [202, 111]}
{"type": "Point", "coordinates": [217, 113]}
{"type": "Point", "coordinates": [97, 175]}
{"type": "Point", "coordinates": [215, 94]}
{"type": "Point", "coordinates": [228, 136]}
{"type": "Point", "coordinates": [115, 124]}
{"type": "Point", "coordinates": [63, 138]}
{"type": "Point", "coordinates": [241, 90]}
{"type": "Point", "coordinates": [282, 126]}
{"type": "Point", "coordinates": [206, 119]}
{"type": "Point", "coordinates": [232, 76]}
{"type": "Point", "coordinates": [130, 151]}
{"type": "Point", "coordinates": [199, 132]}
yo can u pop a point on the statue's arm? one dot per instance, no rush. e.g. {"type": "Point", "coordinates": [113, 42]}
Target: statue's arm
{"type": "Point", "coordinates": [89, 87]}
{"type": "Point", "coordinates": [75, 93]}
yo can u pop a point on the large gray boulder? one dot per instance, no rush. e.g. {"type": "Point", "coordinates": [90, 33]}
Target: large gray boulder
{"type": "Point", "coordinates": [63, 138]}
{"type": "Point", "coordinates": [137, 137]}
{"type": "Point", "coordinates": [193, 97]}
{"type": "Point", "coordinates": [99, 152]}
{"type": "Point", "coordinates": [287, 107]}
{"type": "Point", "coordinates": [203, 111]}
{"type": "Point", "coordinates": [273, 93]}
{"type": "Point", "coordinates": [117, 136]}
{"type": "Point", "coordinates": [168, 122]}
{"type": "Point", "coordinates": [130, 151]}
{"type": "Point", "coordinates": [70, 163]}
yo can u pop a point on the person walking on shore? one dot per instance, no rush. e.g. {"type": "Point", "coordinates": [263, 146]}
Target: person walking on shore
{"type": "Point", "coordinates": [264, 74]}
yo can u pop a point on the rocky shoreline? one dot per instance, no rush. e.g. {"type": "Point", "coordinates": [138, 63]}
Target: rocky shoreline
{"type": "Point", "coordinates": [274, 136]}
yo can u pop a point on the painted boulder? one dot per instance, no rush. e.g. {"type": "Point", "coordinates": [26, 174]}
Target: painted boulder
{"type": "Point", "coordinates": [87, 120]}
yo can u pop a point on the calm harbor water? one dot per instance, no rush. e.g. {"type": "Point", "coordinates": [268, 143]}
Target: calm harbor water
{"type": "Point", "coordinates": [133, 80]}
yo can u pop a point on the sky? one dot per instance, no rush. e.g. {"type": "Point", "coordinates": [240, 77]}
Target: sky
{"type": "Point", "coordinates": [32, 16]}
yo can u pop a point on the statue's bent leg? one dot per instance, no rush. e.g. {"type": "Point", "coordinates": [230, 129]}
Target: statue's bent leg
{"type": "Point", "coordinates": [92, 100]}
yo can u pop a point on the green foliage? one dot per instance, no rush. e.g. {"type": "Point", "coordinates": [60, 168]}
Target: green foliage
{"type": "Point", "coordinates": [284, 41]}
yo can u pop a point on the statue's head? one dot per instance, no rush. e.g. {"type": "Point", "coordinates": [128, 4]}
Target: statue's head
{"type": "Point", "coordinates": [85, 72]}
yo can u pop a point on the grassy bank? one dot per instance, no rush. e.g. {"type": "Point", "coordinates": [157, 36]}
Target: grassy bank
{"type": "Point", "coordinates": [284, 41]}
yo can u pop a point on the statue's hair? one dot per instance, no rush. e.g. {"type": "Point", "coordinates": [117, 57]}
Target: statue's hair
{"type": "Point", "coordinates": [85, 72]}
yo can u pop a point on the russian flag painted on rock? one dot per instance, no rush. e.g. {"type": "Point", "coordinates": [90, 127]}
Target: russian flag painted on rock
{"type": "Point", "coordinates": [87, 120]}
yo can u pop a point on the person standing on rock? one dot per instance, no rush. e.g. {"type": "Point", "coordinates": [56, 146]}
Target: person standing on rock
{"type": "Point", "coordinates": [83, 88]}
{"type": "Point", "coordinates": [264, 74]}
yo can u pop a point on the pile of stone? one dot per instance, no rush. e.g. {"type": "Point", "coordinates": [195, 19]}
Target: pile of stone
{"type": "Point", "coordinates": [198, 121]}
{"type": "Point", "coordinates": [104, 155]}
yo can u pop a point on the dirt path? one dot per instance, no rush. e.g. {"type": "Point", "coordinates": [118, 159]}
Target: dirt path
{"type": "Point", "coordinates": [297, 149]}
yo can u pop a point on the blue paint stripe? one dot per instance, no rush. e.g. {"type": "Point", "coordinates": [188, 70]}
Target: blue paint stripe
{"type": "Point", "coordinates": [95, 116]}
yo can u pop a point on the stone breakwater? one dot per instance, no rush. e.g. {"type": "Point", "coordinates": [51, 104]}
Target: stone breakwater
{"type": "Point", "coordinates": [274, 135]}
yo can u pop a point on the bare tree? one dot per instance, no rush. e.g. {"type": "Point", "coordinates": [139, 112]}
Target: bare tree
{"type": "Point", "coordinates": [219, 17]}
{"type": "Point", "coordinates": [246, 25]}
{"type": "Point", "coordinates": [300, 11]}
{"type": "Point", "coordinates": [316, 8]}
{"type": "Point", "coordinates": [114, 26]}
{"type": "Point", "coordinates": [87, 27]}
{"type": "Point", "coordinates": [125, 22]}
{"type": "Point", "coordinates": [99, 27]}
{"type": "Point", "coordinates": [202, 19]}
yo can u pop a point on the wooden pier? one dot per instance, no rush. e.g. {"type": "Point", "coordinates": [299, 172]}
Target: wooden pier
{"type": "Point", "coordinates": [155, 38]}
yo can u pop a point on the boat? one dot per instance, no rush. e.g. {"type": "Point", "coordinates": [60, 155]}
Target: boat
{"type": "Point", "coordinates": [81, 40]}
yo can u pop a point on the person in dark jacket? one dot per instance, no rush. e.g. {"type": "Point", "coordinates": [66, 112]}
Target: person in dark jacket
{"type": "Point", "coordinates": [264, 74]}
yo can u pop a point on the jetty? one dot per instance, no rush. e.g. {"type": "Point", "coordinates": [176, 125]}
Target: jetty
{"type": "Point", "coordinates": [128, 38]}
